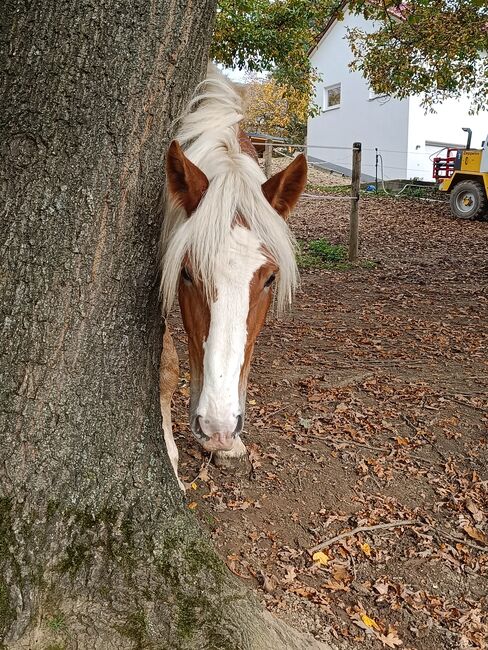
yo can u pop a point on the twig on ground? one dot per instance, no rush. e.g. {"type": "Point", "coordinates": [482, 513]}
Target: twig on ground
{"type": "Point", "coordinates": [374, 479]}
{"type": "Point", "coordinates": [239, 575]}
{"type": "Point", "coordinates": [409, 423]}
{"type": "Point", "coordinates": [353, 562]}
{"type": "Point", "coordinates": [270, 415]}
{"type": "Point", "coordinates": [361, 529]}
{"type": "Point", "coordinates": [466, 393]}
{"type": "Point", "coordinates": [388, 450]}
{"type": "Point", "coordinates": [299, 478]}
{"type": "Point", "coordinates": [463, 403]}
{"type": "Point", "coordinates": [204, 465]}
{"type": "Point", "coordinates": [341, 441]}
{"type": "Point", "coordinates": [460, 540]}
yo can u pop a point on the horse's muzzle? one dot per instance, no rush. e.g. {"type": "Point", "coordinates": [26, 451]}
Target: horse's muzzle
{"type": "Point", "coordinates": [218, 440]}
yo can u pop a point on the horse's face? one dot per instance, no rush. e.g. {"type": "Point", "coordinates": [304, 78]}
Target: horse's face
{"type": "Point", "coordinates": [222, 329]}
{"type": "Point", "coordinates": [222, 334]}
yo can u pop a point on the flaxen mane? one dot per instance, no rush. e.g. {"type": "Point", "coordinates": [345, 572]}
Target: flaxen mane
{"type": "Point", "coordinates": [209, 136]}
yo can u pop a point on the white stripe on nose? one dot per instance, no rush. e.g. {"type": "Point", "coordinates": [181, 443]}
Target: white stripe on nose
{"type": "Point", "coordinates": [219, 407]}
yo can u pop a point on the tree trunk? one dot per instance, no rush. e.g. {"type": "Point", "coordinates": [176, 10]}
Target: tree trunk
{"type": "Point", "coordinates": [97, 548]}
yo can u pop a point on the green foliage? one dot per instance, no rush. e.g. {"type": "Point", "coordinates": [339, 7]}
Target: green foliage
{"type": "Point", "coordinates": [321, 254]}
{"type": "Point", "coordinates": [429, 47]}
{"type": "Point", "coordinates": [273, 36]}
{"type": "Point", "coordinates": [273, 109]}
{"type": "Point", "coordinates": [326, 251]}
{"type": "Point", "coordinates": [432, 193]}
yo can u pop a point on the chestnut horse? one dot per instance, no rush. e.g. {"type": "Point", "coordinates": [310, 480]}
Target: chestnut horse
{"type": "Point", "coordinates": [226, 249]}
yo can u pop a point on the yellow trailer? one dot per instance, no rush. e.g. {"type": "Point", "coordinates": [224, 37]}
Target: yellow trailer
{"type": "Point", "coordinates": [464, 175]}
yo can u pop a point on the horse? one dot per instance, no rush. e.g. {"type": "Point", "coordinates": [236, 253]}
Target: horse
{"type": "Point", "coordinates": [228, 253]}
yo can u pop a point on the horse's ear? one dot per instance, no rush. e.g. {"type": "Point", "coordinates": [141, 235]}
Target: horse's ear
{"type": "Point", "coordinates": [283, 189]}
{"type": "Point", "coordinates": [186, 182]}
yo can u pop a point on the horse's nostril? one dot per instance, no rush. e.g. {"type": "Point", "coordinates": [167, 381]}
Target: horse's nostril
{"type": "Point", "coordinates": [199, 431]}
{"type": "Point", "coordinates": [238, 428]}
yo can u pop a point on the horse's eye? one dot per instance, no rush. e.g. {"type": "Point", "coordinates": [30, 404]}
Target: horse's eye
{"type": "Point", "coordinates": [185, 275]}
{"type": "Point", "coordinates": [270, 280]}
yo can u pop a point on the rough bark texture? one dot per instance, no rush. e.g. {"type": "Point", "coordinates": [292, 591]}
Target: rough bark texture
{"type": "Point", "coordinates": [97, 549]}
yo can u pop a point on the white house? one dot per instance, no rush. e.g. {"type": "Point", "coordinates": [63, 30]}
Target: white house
{"type": "Point", "coordinates": [403, 133]}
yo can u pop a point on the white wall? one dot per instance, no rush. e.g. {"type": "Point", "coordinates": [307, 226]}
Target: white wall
{"type": "Point", "coordinates": [380, 122]}
{"type": "Point", "coordinates": [399, 129]}
{"type": "Point", "coordinates": [444, 126]}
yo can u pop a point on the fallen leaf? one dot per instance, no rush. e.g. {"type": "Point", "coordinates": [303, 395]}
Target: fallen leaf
{"type": "Point", "coordinates": [203, 474]}
{"type": "Point", "coordinates": [290, 575]}
{"type": "Point", "coordinates": [381, 587]}
{"type": "Point", "coordinates": [474, 510]}
{"type": "Point", "coordinates": [357, 619]}
{"type": "Point", "coordinates": [303, 591]}
{"type": "Point", "coordinates": [366, 549]}
{"type": "Point", "coordinates": [239, 505]}
{"type": "Point", "coordinates": [193, 505]}
{"type": "Point", "coordinates": [321, 558]}
{"type": "Point", "coordinates": [268, 582]}
{"type": "Point", "coordinates": [340, 572]}
{"type": "Point", "coordinates": [370, 622]}
{"type": "Point", "coordinates": [391, 640]}
{"type": "Point", "coordinates": [334, 585]}
{"type": "Point", "coordinates": [476, 534]}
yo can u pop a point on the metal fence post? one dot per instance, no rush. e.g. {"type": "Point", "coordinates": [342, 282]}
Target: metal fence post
{"type": "Point", "coordinates": [355, 188]}
{"type": "Point", "coordinates": [268, 157]}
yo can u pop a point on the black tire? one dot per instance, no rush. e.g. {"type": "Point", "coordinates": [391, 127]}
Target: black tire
{"type": "Point", "coordinates": [468, 200]}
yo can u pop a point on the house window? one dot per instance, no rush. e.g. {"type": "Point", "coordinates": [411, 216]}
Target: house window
{"type": "Point", "coordinates": [332, 97]}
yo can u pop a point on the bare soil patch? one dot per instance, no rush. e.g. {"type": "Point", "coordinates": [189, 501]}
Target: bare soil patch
{"type": "Point", "coordinates": [367, 405]}
{"type": "Point", "coordinates": [316, 175]}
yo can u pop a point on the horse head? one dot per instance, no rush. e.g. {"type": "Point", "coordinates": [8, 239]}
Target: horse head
{"type": "Point", "coordinates": [225, 284]}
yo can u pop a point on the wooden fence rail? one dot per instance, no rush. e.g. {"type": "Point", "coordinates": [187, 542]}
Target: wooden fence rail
{"type": "Point", "coordinates": [355, 189]}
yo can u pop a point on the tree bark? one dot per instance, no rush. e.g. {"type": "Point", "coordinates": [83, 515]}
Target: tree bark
{"type": "Point", "coordinates": [97, 548]}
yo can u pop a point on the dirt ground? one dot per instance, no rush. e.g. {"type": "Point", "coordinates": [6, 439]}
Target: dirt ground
{"type": "Point", "coordinates": [316, 175]}
{"type": "Point", "coordinates": [367, 405]}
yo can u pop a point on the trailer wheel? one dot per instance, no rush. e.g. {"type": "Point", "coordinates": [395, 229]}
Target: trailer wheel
{"type": "Point", "coordinates": [468, 200]}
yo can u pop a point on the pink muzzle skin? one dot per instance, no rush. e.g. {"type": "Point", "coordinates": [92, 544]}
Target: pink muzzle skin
{"type": "Point", "coordinates": [216, 436]}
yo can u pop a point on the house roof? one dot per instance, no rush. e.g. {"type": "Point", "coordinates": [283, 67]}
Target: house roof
{"type": "Point", "coordinates": [264, 136]}
{"type": "Point", "coordinates": [397, 12]}
{"type": "Point", "coordinates": [340, 8]}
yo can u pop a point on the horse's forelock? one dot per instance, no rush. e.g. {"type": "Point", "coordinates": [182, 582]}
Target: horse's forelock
{"type": "Point", "coordinates": [210, 136]}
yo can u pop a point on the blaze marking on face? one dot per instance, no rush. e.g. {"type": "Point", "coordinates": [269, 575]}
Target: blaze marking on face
{"type": "Point", "coordinates": [219, 405]}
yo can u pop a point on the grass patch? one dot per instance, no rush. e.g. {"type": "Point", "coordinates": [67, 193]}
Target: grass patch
{"type": "Point", "coordinates": [419, 192]}
{"type": "Point", "coordinates": [321, 254]}
{"type": "Point", "coordinates": [326, 251]}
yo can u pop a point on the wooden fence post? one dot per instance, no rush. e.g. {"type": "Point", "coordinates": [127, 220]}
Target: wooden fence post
{"type": "Point", "coordinates": [355, 188]}
{"type": "Point", "coordinates": [268, 157]}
